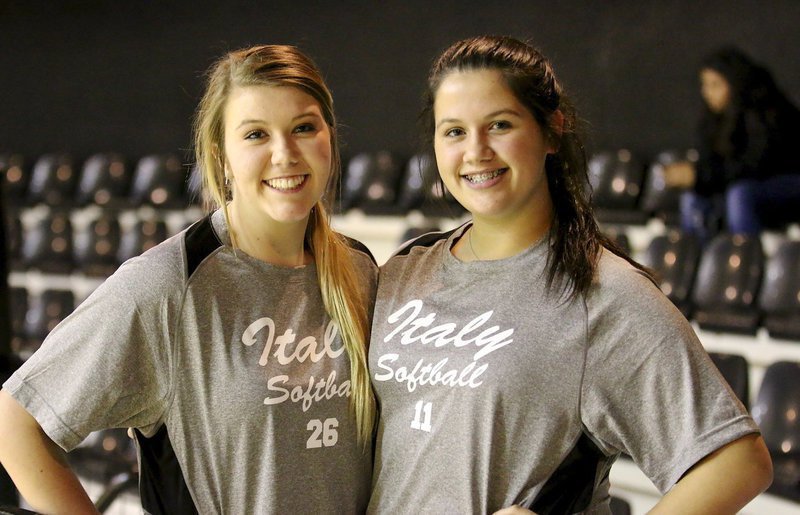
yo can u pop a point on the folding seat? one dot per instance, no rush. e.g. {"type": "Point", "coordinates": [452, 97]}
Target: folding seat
{"type": "Point", "coordinates": [779, 299]}
{"type": "Point", "coordinates": [616, 180]}
{"type": "Point", "coordinates": [95, 247]}
{"type": "Point", "coordinates": [104, 181]}
{"type": "Point", "coordinates": [658, 199]}
{"type": "Point", "coordinates": [48, 245]}
{"type": "Point", "coordinates": [422, 189]}
{"type": "Point", "coordinates": [53, 181]}
{"type": "Point", "coordinates": [380, 189]}
{"type": "Point", "coordinates": [45, 312]}
{"type": "Point", "coordinates": [16, 178]}
{"type": "Point", "coordinates": [160, 181]}
{"type": "Point", "coordinates": [726, 289]}
{"type": "Point", "coordinates": [143, 235]}
{"type": "Point", "coordinates": [775, 410]}
{"type": "Point", "coordinates": [674, 257]}
{"type": "Point", "coordinates": [734, 368]}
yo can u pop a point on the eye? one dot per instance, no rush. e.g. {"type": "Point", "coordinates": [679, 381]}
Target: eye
{"type": "Point", "coordinates": [454, 132]}
{"type": "Point", "coordinates": [255, 134]}
{"type": "Point", "coordinates": [500, 125]}
{"type": "Point", "coordinates": [305, 127]}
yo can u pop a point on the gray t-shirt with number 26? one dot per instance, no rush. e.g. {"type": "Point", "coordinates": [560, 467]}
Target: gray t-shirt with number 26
{"type": "Point", "coordinates": [495, 392]}
{"type": "Point", "coordinates": [237, 358]}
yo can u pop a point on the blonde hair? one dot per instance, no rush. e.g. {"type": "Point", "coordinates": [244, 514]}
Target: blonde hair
{"type": "Point", "coordinates": [344, 299]}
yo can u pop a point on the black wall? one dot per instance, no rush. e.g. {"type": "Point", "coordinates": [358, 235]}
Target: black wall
{"type": "Point", "coordinates": [125, 76]}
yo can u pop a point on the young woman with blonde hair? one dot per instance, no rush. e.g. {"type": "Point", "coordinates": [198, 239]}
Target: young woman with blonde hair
{"type": "Point", "coordinates": [237, 348]}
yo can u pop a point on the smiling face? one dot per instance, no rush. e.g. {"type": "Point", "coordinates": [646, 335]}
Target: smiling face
{"type": "Point", "coordinates": [490, 150]}
{"type": "Point", "coordinates": [277, 155]}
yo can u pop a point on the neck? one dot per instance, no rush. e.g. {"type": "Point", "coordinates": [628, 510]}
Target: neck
{"type": "Point", "coordinates": [488, 240]}
{"type": "Point", "coordinates": [275, 243]}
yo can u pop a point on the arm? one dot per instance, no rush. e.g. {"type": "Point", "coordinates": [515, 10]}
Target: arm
{"type": "Point", "coordinates": [722, 482]}
{"type": "Point", "coordinates": [36, 464]}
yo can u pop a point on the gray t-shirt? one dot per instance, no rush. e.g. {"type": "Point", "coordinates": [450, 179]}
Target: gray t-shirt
{"type": "Point", "coordinates": [495, 392]}
{"type": "Point", "coordinates": [237, 358]}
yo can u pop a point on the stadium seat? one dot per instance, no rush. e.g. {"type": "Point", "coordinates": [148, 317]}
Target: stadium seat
{"type": "Point", "coordinates": [371, 183]}
{"type": "Point", "coordinates": [659, 200]}
{"type": "Point", "coordinates": [45, 312]}
{"type": "Point", "coordinates": [422, 189]}
{"type": "Point", "coordinates": [726, 288]}
{"type": "Point", "coordinates": [104, 181]}
{"type": "Point", "coordinates": [48, 245]}
{"type": "Point", "coordinates": [53, 181]}
{"type": "Point", "coordinates": [674, 258]}
{"type": "Point", "coordinates": [160, 181]}
{"type": "Point", "coordinates": [142, 236]}
{"type": "Point", "coordinates": [616, 180]}
{"type": "Point", "coordinates": [15, 179]}
{"type": "Point", "coordinates": [95, 247]}
{"type": "Point", "coordinates": [779, 299]}
{"type": "Point", "coordinates": [735, 370]}
{"type": "Point", "coordinates": [775, 410]}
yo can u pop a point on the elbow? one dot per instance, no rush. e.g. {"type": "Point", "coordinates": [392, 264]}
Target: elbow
{"type": "Point", "coordinates": [762, 467]}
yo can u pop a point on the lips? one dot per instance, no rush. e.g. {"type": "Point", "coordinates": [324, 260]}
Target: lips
{"type": "Point", "coordinates": [286, 183]}
{"type": "Point", "coordinates": [484, 176]}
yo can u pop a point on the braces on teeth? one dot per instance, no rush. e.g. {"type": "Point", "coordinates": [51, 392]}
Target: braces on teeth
{"type": "Point", "coordinates": [482, 177]}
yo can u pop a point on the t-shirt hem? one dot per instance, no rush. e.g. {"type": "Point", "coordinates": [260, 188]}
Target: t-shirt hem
{"type": "Point", "coordinates": [44, 414]}
{"type": "Point", "coordinates": [707, 443]}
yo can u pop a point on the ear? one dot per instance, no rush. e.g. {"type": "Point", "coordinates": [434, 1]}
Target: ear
{"type": "Point", "coordinates": [556, 130]}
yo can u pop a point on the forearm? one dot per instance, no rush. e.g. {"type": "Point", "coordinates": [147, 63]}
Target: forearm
{"type": "Point", "coordinates": [723, 482]}
{"type": "Point", "coordinates": [37, 465]}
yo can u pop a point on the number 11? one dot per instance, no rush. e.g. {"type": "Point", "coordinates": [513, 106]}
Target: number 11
{"type": "Point", "coordinates": [422, 416]}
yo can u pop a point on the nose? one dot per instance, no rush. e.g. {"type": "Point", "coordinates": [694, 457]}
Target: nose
{"type": "Point", "coordinates": [477, 149]}
{"type": "Point", "coordinates": [284, 153]}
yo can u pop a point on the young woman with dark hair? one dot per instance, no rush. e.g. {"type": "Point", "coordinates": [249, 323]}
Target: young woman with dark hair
{"type": "Point", "coordinates": [748, 168]}
{"type": "Point", "coordinates": [517, 356]}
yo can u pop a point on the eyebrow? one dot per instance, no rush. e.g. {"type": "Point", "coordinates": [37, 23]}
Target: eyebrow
{"type": "Point", "coordinates": [490, 115]}
{"type": "Point", "coordinates": [298, 117]}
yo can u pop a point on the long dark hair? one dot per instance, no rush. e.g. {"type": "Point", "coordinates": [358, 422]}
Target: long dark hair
{"type": "Point", "coordinates": [575, 238]}
{"type": "Point", "coordinates": [753, 92]}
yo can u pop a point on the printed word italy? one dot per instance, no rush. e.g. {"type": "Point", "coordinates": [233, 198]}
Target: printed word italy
{"type": "Point", "coordinates": [307, 349]}
{"type": "Point", "coordinates": [413, 328]}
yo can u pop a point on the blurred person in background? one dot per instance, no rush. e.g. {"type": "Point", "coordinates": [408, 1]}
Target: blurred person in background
{"type": "Point", "coordinates": [748, 168]}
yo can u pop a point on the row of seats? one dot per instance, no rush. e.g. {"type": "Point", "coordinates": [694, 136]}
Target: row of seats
{"type": "Point", "coordinates": [730, 285]}
{"type": "Point", "coordinates": [625, 188]}
{"type": "Point", "coordinates": [52, 244]}
{"type": "Point", "coordinates": [103, 179]}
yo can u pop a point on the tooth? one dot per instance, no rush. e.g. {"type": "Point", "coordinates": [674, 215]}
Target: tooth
{"type": "Point", "coordinates": [286, 183]}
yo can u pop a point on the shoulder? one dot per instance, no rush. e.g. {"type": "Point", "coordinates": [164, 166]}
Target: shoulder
{"type": "Point", "coordinates": [424, 242]}
{"type": "Point", "coordinates": [624, 296]}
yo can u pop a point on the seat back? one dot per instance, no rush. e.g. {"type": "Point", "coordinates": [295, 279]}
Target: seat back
{"type": "Point", "coordinates": [159, 180]}
{"type": "Point", "coordinates": [735, 370]}
{"type": "Point", "coordinates": [775, 410]}
{"type": "Point", "coordinates": [47, 246]}
{"type": "Point", "coordinates": [779, 299]}
{"type": "Point", "coordinates": [727, 285]}
{"type": "Point", "coordinates": [95, 247]}
{"type": "Point", "coordinates": [46, 311]}
{"type": "Point", "coordinates": [53, 181]}
{"type": "Point", "coordinates": [674, 257]}
{"type": "Point", "coordinates": [104, 181]}
{"type": "Point", "coordinates": [144, 235]}
{"type": "Point", "coordinates": [15, 176]}
{"type": "Point", "coordinates": [616, 181]}
{"type": "Point", "coordinates": [659, 199]}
